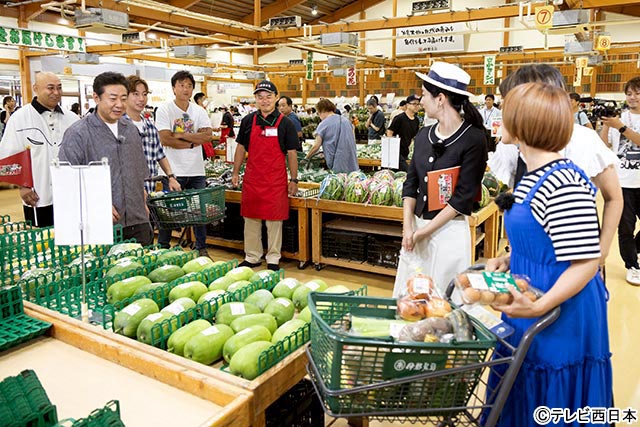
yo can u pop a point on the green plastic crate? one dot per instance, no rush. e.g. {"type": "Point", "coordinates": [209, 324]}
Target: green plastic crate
{"type": "Point", "coordinates": [346, 365]}
{"type": "Point", "coordinates": [66, 298]}
{"type": "Point", "coordinates": [24, 402]}
{"type": "Point", "coordinates": [23, 249]}
{"type": "Point", "coordinates": [108, 416]}
{"type": "Point", "coordinates": [39, 286]}
{"type": "Point", "coordinates": [15, 326]}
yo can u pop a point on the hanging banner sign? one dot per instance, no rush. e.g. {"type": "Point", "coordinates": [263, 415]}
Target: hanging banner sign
{"type": "Point", "coordinates": [582, 61]}
{"type": "Point", "coordinates": [28, 38]}
{"type": "Point", "coordinates": [489, 70]}
{"type": "Point", "coordinates": [309, 65]}
{"type": "Point", "coordinates": [430, 38]}
{"type": "Point", "coordinates": [577, 79]}
{"type": "Point", "coordinates": [351, 76]}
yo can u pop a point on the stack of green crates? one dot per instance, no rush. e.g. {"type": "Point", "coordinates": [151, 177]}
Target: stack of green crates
{"type": "Point", "coordinates": [23, 402]}
{"type": "Point", "coordinates": [15, 326]}
{"type": "Point", "coordinates": [109, 416]}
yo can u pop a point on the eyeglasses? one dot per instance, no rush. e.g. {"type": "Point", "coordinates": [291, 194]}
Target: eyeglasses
{"type": "Point", "coordinates": [414, 103]}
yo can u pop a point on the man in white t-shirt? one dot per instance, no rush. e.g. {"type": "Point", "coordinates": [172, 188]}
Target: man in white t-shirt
{"type": "Point", "coordinates": [183, 128]}
{"type": "Point", "coordinates": [622, 134]}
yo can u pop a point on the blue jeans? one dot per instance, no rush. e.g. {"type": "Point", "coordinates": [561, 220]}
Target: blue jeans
{"type": "Point", "coordinates": [187, 182]}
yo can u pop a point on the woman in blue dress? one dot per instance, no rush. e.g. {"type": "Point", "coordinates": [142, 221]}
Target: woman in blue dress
{"type": "Point", "coordinates": [552, 225]}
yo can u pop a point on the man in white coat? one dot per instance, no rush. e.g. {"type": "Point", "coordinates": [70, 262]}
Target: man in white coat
{"type": "Point", "coordinates": [38, 126]}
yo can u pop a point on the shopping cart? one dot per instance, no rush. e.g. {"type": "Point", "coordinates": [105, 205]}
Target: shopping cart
{"type": "Point", "coordinates": [445, 384]}
{"type": "Point", "coordinates": [182, 209]}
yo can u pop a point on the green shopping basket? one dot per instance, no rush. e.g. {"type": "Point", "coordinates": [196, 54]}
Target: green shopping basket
{"type": "Point", "coordinates": [364, 376]}
{"type": "Point", "coordinates": [188, 207]}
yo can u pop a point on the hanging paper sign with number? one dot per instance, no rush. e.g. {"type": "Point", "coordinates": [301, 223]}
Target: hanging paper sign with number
{"type": "Point", "coordinates": [603, 43]}
{"type": "Point", "coordinates": [544, 17]}
{"type": "Point", "coordinates": [38, 39]}
{"type": "Point", "coordinates": [351, 76]}
{"type": "Point", "coordinates": [489, 69]}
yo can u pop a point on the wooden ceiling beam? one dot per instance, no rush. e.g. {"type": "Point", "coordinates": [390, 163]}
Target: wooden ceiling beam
{"type": "Point", "coordinates": [32, 11]}
{"type": "Point", "coordinates": [624, 10]}
{"type": "Point", "coordinates": [347, 11]}
{"type": "Point", "coordinates": [402, 22]}
{"type": "Point", "coordinates": [171, 18]}
{"type": "Point", "coordinates": [183, 4]}
{"type": "Point", "coordinates": [599, 4]}
{"type": "Point", "coordinates": [497, 12]}
{"type": "Point", "coordinates": [190, 62]}
{"type": "Point", "coordinates": [121, 47]}
{"type": "Point", "coordinates": [277, 8]}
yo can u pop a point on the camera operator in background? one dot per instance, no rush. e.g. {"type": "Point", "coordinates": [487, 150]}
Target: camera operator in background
{"type": "Point", "coordinates": [622, 134]}
{"type": "Point", "coordinates": [579, 116]}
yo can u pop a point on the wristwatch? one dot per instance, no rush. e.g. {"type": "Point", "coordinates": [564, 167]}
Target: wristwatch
{"type": "Point", "coordinates": [622, 129]}
{"type": "Point", "coordinates": [294, 180]}
{"type": "Point", "coordinates": [172, 175]}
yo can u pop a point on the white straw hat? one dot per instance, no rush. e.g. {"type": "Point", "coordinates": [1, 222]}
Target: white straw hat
{"type": "Point", "coordinates": [449, 77]}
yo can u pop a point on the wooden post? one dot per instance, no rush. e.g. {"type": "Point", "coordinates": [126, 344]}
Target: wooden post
{"type": "Point", "coordinates": [394, 31]}
{"type": "Point", "coordinates": [25, 64]}
{"type": "Point", "coordinates": [257, 19]}
{"type": "Point", "coordinates": [361, 88]}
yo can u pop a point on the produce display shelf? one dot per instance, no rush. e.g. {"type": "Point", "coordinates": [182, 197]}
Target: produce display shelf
{"type": "Point", "coordinates": [318, 207]}
{"type": "Point", "coordinates": [369, 163]}
{"type": "Point", "coordinates": [230, 406]}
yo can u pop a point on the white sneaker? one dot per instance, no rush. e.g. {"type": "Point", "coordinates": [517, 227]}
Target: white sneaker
{"type": "Point", "coordinates": [633, 276]}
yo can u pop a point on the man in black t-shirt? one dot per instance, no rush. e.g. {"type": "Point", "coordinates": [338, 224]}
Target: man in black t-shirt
{"type": "Point", "coordinates": [405, 125]}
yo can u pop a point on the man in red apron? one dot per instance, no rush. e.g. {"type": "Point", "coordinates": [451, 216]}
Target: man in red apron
{"type": "Point", "coordinates": [266, 189]}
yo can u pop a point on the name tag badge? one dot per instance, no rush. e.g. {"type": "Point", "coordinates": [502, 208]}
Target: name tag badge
{"type": "Point", "coordinates": [271, 132]}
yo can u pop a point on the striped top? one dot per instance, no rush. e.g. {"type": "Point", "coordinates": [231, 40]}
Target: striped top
{"type": "Point", "coordinates": [565, 207]}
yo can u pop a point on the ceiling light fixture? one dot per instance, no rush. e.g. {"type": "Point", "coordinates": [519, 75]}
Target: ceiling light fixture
{"type": "Point", "coordinates": [314, 10]}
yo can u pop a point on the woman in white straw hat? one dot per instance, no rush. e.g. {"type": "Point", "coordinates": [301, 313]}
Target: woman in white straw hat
{"type": "Point", "coordinates": [435, 236]}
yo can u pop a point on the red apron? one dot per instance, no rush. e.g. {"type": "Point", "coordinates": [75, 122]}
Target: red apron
{"type": "Point", "coordinates": [265, 192]}
{"type": "Point", "coordinates": [224, 133]}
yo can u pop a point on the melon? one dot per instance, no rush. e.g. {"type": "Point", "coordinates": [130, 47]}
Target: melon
{"type": "Point", "coordinates": [486, 197]}
{"type": "Point", "coordinates": [331, 188]}
{"type": "Point", "coordinates": [355, 192]}
{"type": "Point", "coordinates": [492, 183]}
{"type": "Point", "coordinates": [382, 194]}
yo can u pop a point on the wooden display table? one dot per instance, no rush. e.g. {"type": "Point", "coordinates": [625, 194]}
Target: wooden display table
{"type": "Point", "coordinates": [369, 163]}
{"type": "Point", "coordinates": [243, 402]}
{"type": "Point", "coordinates": [225, 406]}
{"type": "Point", "coordinates": [298, 204]}
{"type": "Point", "coordinates": [487, 215]}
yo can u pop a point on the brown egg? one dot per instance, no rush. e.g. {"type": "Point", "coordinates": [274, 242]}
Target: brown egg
{"type": "Point", "coordinates": [471, 295]}
{"type": "Point", "coordinates": [463, 281]}
{"type": "Point", "coordinates": [522, 284]}
{"type": "Point", "coordinates": [504, 298]}
{"type": "Point", "coordinates": [487, 297]}
{"type": "Point", "coordinates": [530, 295]}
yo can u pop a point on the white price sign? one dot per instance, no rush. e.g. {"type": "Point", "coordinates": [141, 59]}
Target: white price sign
{"type": "Point", "coordinates": [430, 38]}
